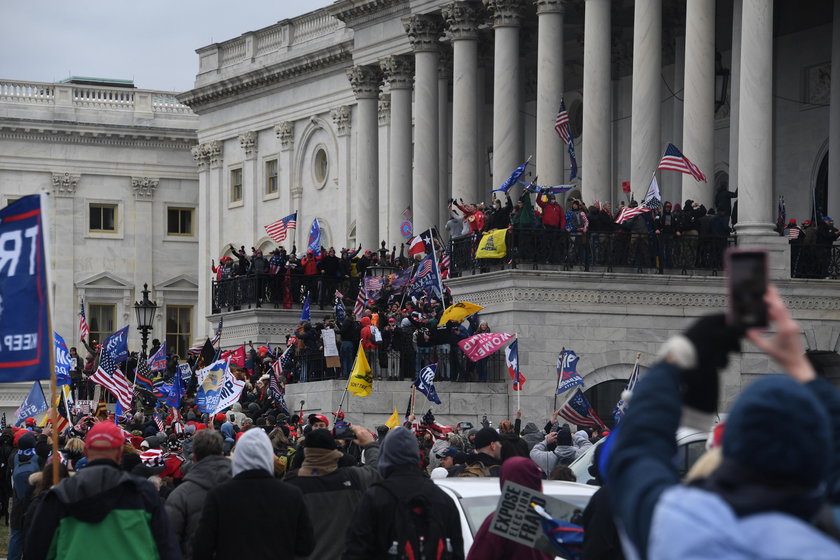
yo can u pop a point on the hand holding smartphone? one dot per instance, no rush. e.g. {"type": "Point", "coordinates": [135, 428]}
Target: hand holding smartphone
{"type": "Point", "coordinates": [746, 283]}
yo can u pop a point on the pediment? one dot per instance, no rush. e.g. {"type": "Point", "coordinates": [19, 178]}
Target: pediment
{"type": "Point", "coordinates": [181, 282]}
{"type": "Point", "coordinates": [105, 280]}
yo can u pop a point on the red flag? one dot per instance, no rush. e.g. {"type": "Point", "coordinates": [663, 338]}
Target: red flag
{"type": "Point", "coordinates": [237, 357]}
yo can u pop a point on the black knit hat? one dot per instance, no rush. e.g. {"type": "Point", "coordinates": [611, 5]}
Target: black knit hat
{"type": "Point", "coordinates": [320, 438]}
{"type": "Point", "coordinates": [485, 437]}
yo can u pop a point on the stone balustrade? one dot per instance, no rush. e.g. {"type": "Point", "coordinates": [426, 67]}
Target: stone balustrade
{"type": "Point", "coordinates": [25, 92]}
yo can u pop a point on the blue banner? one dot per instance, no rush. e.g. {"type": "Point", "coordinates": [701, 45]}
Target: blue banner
{"type": "Point", "coordinates": [158, 360]}
{"type": "Point", "coordinates": [314, 244]}
{"type": "Point", "coordinates": [175, 393]}
{"type": "Point", "coordinates": [567, 375]}
{"type": "Point", "coordinates": [117, 345]}
{"type": "Point", "coordinates": [63, 361]}
{"type": "Point", "coordinates": [25, 343]}
{"type": "Point", "coordinates": [426, 279]}
{"type": "Point", "coordinates": [306, 312]}
{"type": "Point", "coordinates": [209, 390]}
{"type": "Point", "coordinates": [35, 403]}
{"type": "Point", "coordinates": [425, 383]}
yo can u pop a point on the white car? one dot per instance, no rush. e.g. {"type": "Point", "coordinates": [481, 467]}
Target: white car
{"type": "Point", "coordinates": [477, 498]}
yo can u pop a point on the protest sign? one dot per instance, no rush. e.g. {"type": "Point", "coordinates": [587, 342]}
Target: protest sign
{"type": "Point", "coordinates": [330, 348]}
{"type": "Point", "coordinates": [482, 345]}
{"type": "Point", "coordinates": [230, 392]}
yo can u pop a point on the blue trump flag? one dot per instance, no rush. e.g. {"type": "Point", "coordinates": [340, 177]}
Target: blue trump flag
{"type": "Point", "coordinates": [35, 403]}
{"type": "Point", "coordinates": [426, 279]}
{"type": "Point", "coordinates": [175, 393]}
{"type": "Point", "coordinates": [117, 345]}
{"type": "Point", "coordinates": [425, 383]}
{"type": "Point", "coordinates": [63, 361]}
{"type": "Point", "coordinates": [25, 342]}
{"type": "Point", "coordinates": [567, 374]}
{"type": "Point", "coordinates": [314, 244]}
{"type": "Point", "coordinates": [514, 177]}
{"type": "Point", "coordinates": [340, 312]}
{"type": "Point", "coordinates": [306, 312]}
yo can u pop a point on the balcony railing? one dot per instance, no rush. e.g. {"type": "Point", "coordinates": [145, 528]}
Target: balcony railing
{"type": "Point", "coordinates": [814, 261]}
{"type": "Point", "coordinates": [608, 251]}
{"type": "Point", "coordinates": [278, 291]}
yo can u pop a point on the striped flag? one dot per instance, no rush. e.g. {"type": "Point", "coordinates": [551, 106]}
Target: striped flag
{"type": "Point", "coordinates": [217, 335]}
{"type": "Point", "coordinates": [577, 410]}
{"type": "Point", "coordinates": [652, 201]}
{"type": "Point", "coordinates": [359, 306]}
{"type": "Point", "coordinates": [621, 405]}
{"type": "Point", "coordinates": [561, 123]}
{"type": "Point", "coordinates": [676, 161]}
{"type": "Point", "coordinates": [445, 262]}
{"type": "Point", "coordinates": [277, 230]}
{"type": "Point", "coordinates": [84, 330]}
{"type": "Point", "coordinates": [158, 422]}
{"type": "Point", "coordinates": [109, 376]}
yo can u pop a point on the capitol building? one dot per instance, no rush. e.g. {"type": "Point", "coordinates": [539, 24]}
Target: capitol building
{"type": "Point", "coordinates": [367, 111]}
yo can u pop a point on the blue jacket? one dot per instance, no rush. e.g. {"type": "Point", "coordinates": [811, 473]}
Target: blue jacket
{"type": "Point", "coordinates": [660, 518]}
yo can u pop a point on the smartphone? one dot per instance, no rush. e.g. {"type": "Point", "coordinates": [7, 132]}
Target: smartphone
{"type": "Point", "coordinates": [746, 282]}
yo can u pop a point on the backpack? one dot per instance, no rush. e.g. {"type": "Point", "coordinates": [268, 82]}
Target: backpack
{"type": "Point", "coordinates": [418, 532]}
{"type": "Point", "coordinates": [477, 469]}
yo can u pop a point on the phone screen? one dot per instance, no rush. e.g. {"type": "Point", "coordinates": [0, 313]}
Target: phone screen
{"type": "Point", "coordinates": [747, 280]}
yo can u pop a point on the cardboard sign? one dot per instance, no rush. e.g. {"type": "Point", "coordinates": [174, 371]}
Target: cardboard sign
{"type": "Point", "coordinates": [516, 520]}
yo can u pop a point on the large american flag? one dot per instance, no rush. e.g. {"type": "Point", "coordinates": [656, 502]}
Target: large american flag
{"type": "Point", "coordinates": [359, 306]}
{"type": "Point", "coordinates": [676, 161]}
{"type": "Point", "coordinates": [84, 330]}
{"type": "Point", "coordinates": [109, 376]}
{"type": "Point", "coordinates": [561, 123]}
{"type": "Point", "coordinates": [277, 230]}
{"type": "Point", "coordinates": [445, 263]}
{"type": "Point", "coordinates": [217, 336]}
{"type": "Point", "coordinates": [577, 410]}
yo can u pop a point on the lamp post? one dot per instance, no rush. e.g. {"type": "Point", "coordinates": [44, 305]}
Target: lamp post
{"type": "Point", "coordinates": [145, 310]}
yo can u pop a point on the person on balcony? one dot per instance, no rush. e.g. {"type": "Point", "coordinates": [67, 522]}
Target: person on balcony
{"type": "Point", "coordinates": [329, 269]}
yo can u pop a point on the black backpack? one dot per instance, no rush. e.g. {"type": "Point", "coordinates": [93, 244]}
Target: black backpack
{"type": "Point", "coordinates": [418, 532]}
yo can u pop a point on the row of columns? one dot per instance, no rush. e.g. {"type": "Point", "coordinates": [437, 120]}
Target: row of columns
{"type": "Point", "coordinates": [420, 186]}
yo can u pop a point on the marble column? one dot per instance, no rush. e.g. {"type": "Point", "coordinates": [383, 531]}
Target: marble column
{"type": "Point", "coordinates": [65, 320]}
{"type": "Point", "coordinates": [424, 33]}
{"type": "Point", "coordinates": [550, 88]}
{"type": "Point", "coordinates": [399, 71]}
{"type": "Point", "coordinates": [203, 307]}
{"type": "Point", "coordinates": [462, 20]}
{"type": "Point", "coordinates": [699, 115]}
{"type": "Point", "coordinates": [342, 120]}
{"type": "Point", "coordinates": [385, 217]}
{"type": "Point", "coordinates": [251, 189]}
{"type": "Point", "coordinates": [507, 116]}
{"type": "Point", "coordinates": [645, 146]}
{"type": "Point", "coordinates": [834, 122]}
{"type": "Point", "coordinates": [735, 93]}
{"type": "Point", "coordinates": [444, 135]}
{"type": "Point", "coordinates": [596, 157]}
{"type": "Point", "coordinates": [365, 82]}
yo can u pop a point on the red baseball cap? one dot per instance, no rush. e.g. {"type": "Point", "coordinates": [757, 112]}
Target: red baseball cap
{"type": "Point", "coordinates": [30, 421]}
{"type": "Point", "coordinates": [104, 435]}
{"type": "Point", "coordinates": [220, 417]}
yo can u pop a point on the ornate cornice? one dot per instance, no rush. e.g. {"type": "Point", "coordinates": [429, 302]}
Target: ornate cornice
{"type": "Point", "coordinates": [365, 81]}
{"type": "Point", "coordinates": [65, 184]}
{"type": "Point", "coordinates": [384, 109]}
{"type": "Point", "coordinates": [144, 187]}
{"type": "Point", "coordinates": [285, 132]}
{"type": "Point", "coordinates": [462, 20]}
{"type": "Point", "coordinates": [341, 118]}
{"type": "Point", "coordinates": [506, 13]}
{"type": "Point", "coordinates": [398, 71]}
{"type": "Point", "coordinates": [551, 6]}
{"type": "Point", "coordinates": [131, 138]}
{"type": "Point", "coordinates": [334, 55]}
{"type": "Point", "coordinates": [423, 32]}
{"type": "Point", "coordinates": [248, 141]}
{"type": "Point", "coordinates": [352, 12]}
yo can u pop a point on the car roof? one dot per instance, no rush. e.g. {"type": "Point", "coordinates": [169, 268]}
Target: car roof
{"type": "Point", "coordinates": [479, 486]}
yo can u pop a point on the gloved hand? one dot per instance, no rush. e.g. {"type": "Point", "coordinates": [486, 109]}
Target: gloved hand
{"type": "Point", "coordinates": [712, 340]}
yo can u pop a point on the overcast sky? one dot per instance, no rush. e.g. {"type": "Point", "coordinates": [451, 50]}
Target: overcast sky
{"type": "Point", "coordinates": [152, 42]}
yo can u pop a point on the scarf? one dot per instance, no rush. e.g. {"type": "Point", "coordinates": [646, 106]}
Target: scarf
{"type": "Point", "coordinates": [319, 462]}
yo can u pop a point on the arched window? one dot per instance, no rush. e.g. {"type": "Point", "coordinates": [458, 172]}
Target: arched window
{"type": "Point", "coordinates": [603, 397]}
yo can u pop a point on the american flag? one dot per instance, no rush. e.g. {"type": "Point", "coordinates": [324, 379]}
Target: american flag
{"type": "Point", "coordinates": [84, 330]}
{"type": "Point", "coordinates": [621, 406]}
{"type": "Point", "coordinates": [445, 262]}
{"type": "Point", "coordinates": [577, 410]}
{"type": "Point", "coordinates": [652, 202]}
{"type": "Point", "coordinates": [424, 268]}
{"type": "Point", "coordinates": [561, 123]}
{"type": "Point", "coordinates": [277, 230]}
{"type": "Point", "coordinates": [359, 306]}
{"type": "Point", "coordinates": [217, 336]}
{"type": "Point", "coordinates": [109, 376]}
{"type": "Point", "coordinates": [676, 161]}
{"type": "Point", "coordinates": [158, 421]}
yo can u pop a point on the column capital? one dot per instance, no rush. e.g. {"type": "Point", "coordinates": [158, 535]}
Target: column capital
{"type": "Point", "coordinates": [423, 32]}
{"type": "Point", "coordinates": [248, 141]}
{"type": "Point", "coordinates": [462, 20]}
{"type": "Point", "coordinates": [398, 71]}
{"type": "Point", "coordinates": [65, 184]}
{"type": "Point", "coordinates": [285, 132]}
{"type": "Point", "coordinates": [144, 187]}
{"type": "Point", "coordinates": [551, 6]}
{"type": "Point", "coordinates": [506, 13]}
{"type": "Point", "coordinates": [201, 158]}
{"type": "Point", "coordinates": [341, 118]}
{"type": "Point", "coordinates": [213, 151]}
{"type": "Point", "coordinates": [384, 109]}
{"type": "Point", "coordinates": [365, 81]}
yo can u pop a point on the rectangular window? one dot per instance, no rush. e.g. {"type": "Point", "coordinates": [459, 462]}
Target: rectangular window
{"type": "Point", "coordinates": [103, 217]}
{"type": "Point", "coordinates": [271, 176]}
{"type": "Point", "coordinates": [236, 185]}
{"type": "Point", "coordinates": [179, 221]}
{"type": "Point", "coordinates": [100, 317]}
{"type": "Point", "coordinates": [178, 329]}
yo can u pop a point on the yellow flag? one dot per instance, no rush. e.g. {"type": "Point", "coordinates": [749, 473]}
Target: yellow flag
{"type": "Point", "coordinates": [361, 381]}
{"type": "Point", "coordinates": [458, 312]}
{"type": "Point", "coordinates": [394, 420]}
{"type": "Point", "coordinates": [492, 245]}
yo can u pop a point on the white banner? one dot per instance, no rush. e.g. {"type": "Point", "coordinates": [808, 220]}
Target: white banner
{"type": "Point", "coordinates": [330, 348]}
{"type": "Point", "coordinates": [230, 392]}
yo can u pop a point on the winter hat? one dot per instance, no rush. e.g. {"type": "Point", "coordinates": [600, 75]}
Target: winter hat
{"type": "Point", "coordinates": [399, 448]}
{"type": "Point", "coordinates": [485, 437]}
{"type": "Point", "coordinates": [778, 428]}
{"type": "Point", "coordinates": [189, 429]}
{"type": "Point", "coordinates": [26, 441]}
{"type": "Point", "coordinates": [320, 439]}
{"type": "Point", "coordinates": [564, 437]}
{"type": "Point", "coordinates": [253, 451]}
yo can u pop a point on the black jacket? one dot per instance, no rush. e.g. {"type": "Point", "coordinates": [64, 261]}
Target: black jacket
{"type": "Point", "coordinates": [254, 515]}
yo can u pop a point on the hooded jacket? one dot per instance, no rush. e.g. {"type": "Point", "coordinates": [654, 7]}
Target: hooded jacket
{"type": "Point", "coordinates": [102, 512]}
{"type": "Point", "coordinates": [532, 435]}
{"type": "Point", "coordinates": [185, 503]}
{"type": "Point", "coordinates": [486, 545]}
{"type": "Point", "coordinates": [562, 454]}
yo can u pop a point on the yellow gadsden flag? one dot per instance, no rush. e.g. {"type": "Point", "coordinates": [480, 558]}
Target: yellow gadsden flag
{"type": "Point", "coordinates": [492, 245]}
{"type": "Point", "coordinates": [361, 381]}
{"type": "Point", "coordinates": [394, 420]}
{"type": "Point", "coordinates": [458, 312]}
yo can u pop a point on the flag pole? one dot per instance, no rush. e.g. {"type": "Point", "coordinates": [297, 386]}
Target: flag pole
{"type": "Point", "coordinates": [562, 360]}
{"type": "Point", "coordinates": [53, 384]}
{"type": "Point", "coordinates": [413, 391]}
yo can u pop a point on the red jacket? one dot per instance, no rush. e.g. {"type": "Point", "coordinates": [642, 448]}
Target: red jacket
{"type": "Point", "coordinates": [310, 264]}
{"type": "Point", "coordinates": [552, 213]}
